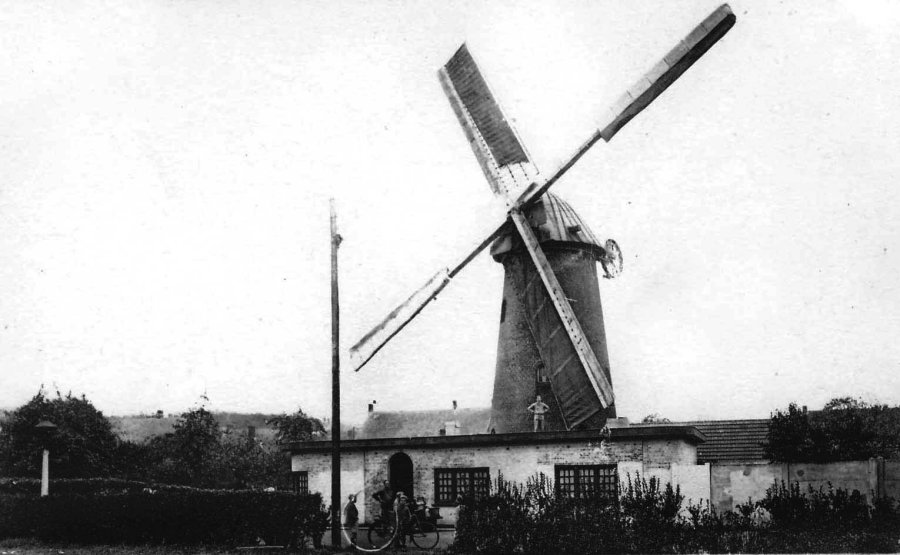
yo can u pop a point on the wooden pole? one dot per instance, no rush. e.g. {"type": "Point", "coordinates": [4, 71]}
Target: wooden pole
{"type": "Point", "coordinates": [335, 388]}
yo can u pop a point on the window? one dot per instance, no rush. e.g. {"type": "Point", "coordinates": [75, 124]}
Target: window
{"type": "Point", "coordinates": [300, 482]}
{"type": "Point", "coordinates": [451, 482]}
{"type": "Point", "coordinates": [587, 480]}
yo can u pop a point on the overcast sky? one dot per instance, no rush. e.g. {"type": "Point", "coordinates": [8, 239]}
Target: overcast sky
{"type": "Point", "coordinates": [166, 169]}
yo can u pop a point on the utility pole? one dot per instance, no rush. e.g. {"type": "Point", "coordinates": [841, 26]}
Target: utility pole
{"type": "Point", "coordinates": [335, 388]}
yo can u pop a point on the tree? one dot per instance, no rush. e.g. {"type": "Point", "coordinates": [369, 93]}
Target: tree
{"type": "Point", "coordinates": [243, 463]}
{"type": "Point", "coordinates": [845, 429]}
{"type": "Point", "coordinates": [83, 445]}
{"type": "Point", "coordinates": [296, 427]}
{"type": "Point", "coordinates": [185, 455]}
{"type": "Point", "coordinates": [195, 438]}
{"type": "Point", "coordinates": [197, 453]}
{"type": "Point", "coordinates": [790, 436]}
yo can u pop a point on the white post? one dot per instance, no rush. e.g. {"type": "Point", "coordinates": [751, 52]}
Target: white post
{"type": "Point", "coordinates": [45, 474]}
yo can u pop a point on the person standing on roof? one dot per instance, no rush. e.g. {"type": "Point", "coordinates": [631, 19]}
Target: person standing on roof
{"type": "Point", "coordinates": [539, 409]}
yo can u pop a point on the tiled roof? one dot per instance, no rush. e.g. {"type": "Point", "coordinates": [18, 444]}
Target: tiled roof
{"type": "Point", "coordinates": [726, 440]}
{"type": "Point", "coordinates": [731, 440]}
{"type": "Point", "coordinates": [424, 423]}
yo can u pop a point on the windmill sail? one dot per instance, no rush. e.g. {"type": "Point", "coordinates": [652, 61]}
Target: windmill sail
{"type": "Point", "coordinates": [580, 383]}
{"type": "Point", "coordinates": [503, 159]}
{"type": "Point", "coordinates": [641, 94]}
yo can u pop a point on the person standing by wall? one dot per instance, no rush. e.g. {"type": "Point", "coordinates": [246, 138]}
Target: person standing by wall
{"type": "Point", "coordinates": [385, 498]}
{"type": "Point", "coordinates": [351, 518]}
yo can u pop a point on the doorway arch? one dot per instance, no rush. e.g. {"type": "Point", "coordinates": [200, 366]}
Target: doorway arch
{"type": "Point", "coordinates": [400, 473]}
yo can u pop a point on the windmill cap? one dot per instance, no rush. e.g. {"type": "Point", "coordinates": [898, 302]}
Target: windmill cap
{"type": "Point", "coordinates": [553, 221]}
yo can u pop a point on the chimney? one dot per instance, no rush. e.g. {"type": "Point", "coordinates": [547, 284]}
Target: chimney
{"type": "Point", "coordinates": [371, 407]}
{"type": "Point", "coordinates": [454, 404]}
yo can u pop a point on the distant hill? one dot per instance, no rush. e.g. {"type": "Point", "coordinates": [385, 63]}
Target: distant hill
{"type": "Point", "coordinates": [141, 428]}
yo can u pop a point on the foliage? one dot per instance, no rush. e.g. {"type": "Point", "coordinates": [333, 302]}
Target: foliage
{"type": "Point", "coordinates": [655, 418]}
{"type": "Point", "coordinates": [535, 518]}
{"type": "Point", "coordinates": [195, 440]}
{"type": "Point", "coordinates": [846, 429]}
{"type": "Point", "coordinates": [651, 518]}
{"type": "Point", "coordinates": [195, 453]}
{"type": "Point", "coordinates": [296, 427]}
{"type": "Point", "coordinates": [83, 444]}
{"type": "Point", "coordinates": [171, 515]}
{"type": "Point", "coordinates": [198, 454]}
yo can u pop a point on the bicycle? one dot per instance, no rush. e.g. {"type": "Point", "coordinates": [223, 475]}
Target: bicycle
{"type": "Point", "coordinates": [423, 530]}
{"type": "Point", "coordinates": [381, 533]}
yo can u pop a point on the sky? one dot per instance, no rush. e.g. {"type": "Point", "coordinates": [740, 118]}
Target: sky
{"type": "Point", "coordinates": [166, 169]}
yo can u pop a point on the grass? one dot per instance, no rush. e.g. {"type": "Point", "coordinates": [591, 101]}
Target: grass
{"type": "Point", "coordinates": [27, 546]}
{"type": "Point", "coordinates": [17, 546]}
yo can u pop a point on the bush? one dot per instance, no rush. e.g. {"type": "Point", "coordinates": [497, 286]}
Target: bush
{"type": "Point", "coordinates": [172, 515]}
{"type": "Point", "coordinates": [535, 518]}
{"type": "Point", "coordinates": [649, 518]}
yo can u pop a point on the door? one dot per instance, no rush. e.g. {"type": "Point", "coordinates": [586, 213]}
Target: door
{"type": "Point", "coordinates": [400, 474]}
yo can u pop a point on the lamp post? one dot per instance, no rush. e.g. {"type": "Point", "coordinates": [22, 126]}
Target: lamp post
{"type": "Point", "coordinates": [45, 430]}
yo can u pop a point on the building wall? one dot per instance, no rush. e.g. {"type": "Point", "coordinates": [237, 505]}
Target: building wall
{"type": "Point", "coordinates": [724, 485]}
{"type": "Point", "coordinates": [318, 467]}
{"type": "Point", "coordinates": [694, 482]}
{"type": "Point", "coordinates": [367, 470]}
{"type": "Point", "coordinates": [733, 484]}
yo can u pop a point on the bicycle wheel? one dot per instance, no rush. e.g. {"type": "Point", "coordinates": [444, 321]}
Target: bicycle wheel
{"type": "Point", "coordinates": [425, 535]}
{"type": "Point", "coordinates": [380, 536]}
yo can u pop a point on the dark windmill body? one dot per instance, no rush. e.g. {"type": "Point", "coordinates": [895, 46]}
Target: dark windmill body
{"type": "Point", "coordinates": [522, 372]}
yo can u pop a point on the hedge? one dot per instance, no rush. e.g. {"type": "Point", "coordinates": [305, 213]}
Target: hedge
{"type": "Point", "coordinates": [173, 515]}
{"type": "Point", "coordinates": [32, 486]}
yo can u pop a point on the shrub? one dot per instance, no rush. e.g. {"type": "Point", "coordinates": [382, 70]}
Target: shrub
{"type": "Point", "coordinates": [171, 515]}
{"type": "Point", "coordinates": [648, 517]}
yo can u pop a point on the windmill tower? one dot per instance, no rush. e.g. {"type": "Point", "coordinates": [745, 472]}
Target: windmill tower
{"type": "Point", "coordinates": [524, 359]}
{"type": "Point", "coordinates": [547, 342]}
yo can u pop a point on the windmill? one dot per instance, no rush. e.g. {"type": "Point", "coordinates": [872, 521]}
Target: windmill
{"type": "Point", "coordinates": [564, 348]}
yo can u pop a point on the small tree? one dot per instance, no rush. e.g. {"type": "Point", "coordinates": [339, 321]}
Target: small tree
{"type": "Point", "coordinates": [296, 427]}
{"type": "Point", "coordinates": [195, 438]}
{"type": "Point", "coordinates": [83, 445]}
